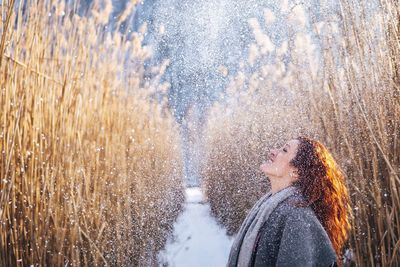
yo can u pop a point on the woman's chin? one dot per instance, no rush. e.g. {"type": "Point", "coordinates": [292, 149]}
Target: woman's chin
{"type": "Point", "coordinates": [265, 171]}
{"type": "Point", "coordinates": [264, 168]}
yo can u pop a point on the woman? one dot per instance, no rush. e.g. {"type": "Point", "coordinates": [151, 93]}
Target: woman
{"type": "Point", "coordinates": [304, 219]}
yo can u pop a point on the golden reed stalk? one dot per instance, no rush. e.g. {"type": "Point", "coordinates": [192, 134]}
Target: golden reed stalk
{"type": "Point", "coordinates": [90, 165]}
{"type": "Point", "coordinates": [352, 105]}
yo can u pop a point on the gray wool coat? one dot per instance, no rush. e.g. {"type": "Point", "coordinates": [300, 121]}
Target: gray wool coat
{"type": "Point", "coordinates": [292, 236]}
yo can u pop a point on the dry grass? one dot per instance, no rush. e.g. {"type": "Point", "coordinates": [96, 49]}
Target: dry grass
{"type": "Point", "coordinates": [90, 164]}
{"type": "Point", "coordinates": [351, 103]}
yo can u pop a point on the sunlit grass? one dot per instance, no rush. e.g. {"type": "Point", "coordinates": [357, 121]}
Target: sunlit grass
{"type": "Point", "coordinates": [351, 103]}
{"type": "Point", "coordinates": [90, 161]}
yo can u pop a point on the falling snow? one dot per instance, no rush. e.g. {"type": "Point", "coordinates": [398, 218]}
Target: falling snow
{"type": "Point", "coordinates": [145, 101]}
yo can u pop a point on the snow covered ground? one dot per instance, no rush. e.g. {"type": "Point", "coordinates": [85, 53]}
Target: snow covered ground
{"type": "Point", "coordinates": [197, 239]}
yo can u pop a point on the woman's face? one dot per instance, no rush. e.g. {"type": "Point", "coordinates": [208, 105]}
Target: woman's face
{"type": "Point", "coordinates": [277, 164]}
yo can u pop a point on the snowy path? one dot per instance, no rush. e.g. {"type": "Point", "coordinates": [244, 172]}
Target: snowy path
{"type": "Point", "coordinates": [198, 240]}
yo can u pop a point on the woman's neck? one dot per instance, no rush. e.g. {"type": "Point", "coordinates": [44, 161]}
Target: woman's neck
{"type": "Point", "coordinates": [277, 184]}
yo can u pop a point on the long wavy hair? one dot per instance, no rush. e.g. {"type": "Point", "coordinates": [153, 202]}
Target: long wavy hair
{"type": "Point", "coordinates": [322, 183]}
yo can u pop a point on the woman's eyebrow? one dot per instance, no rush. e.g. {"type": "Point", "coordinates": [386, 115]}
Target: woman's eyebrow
{"type": "Point", "coordinates": [287, 145]}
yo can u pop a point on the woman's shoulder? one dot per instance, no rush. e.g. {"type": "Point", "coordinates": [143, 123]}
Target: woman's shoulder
{"type": "Point", "coordinates": [293, 211]}
{"type": "Point", "coordinates": [293, 232]}
{"type": "Point", "coordinates": [287, 209]}
{"type": "Point", "coordinates": [294, 204]}
{"type": "Point", "coordinates": [300, 222]}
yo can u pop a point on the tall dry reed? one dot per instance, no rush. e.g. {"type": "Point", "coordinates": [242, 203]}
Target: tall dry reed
{"type": "Point", "coordinates": [90, 159]}
{"type": "Point", "coordinates": [349, 100]}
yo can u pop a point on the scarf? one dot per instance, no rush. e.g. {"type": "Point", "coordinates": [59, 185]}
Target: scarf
{"type": "Point", "coordinates": [242, 247]}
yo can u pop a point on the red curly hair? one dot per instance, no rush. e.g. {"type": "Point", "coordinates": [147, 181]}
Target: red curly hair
{"type": "Point", "coordinates": [322, 183]}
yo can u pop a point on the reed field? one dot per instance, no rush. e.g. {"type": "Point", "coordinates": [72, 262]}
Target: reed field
{"type": "Point", "coordinates": [349, 100]}
{"type": "Point", "coordinates": [90, 161]}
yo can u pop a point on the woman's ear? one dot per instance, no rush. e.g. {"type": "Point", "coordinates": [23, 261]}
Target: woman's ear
{"type": "Point", "coordinates": [294, 174]}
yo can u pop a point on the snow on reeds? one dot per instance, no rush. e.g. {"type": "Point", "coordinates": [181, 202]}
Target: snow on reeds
{"type": "Point", "coordinates": [90, 161]}
{"type": "Point", "coordinates": [349, 100]}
